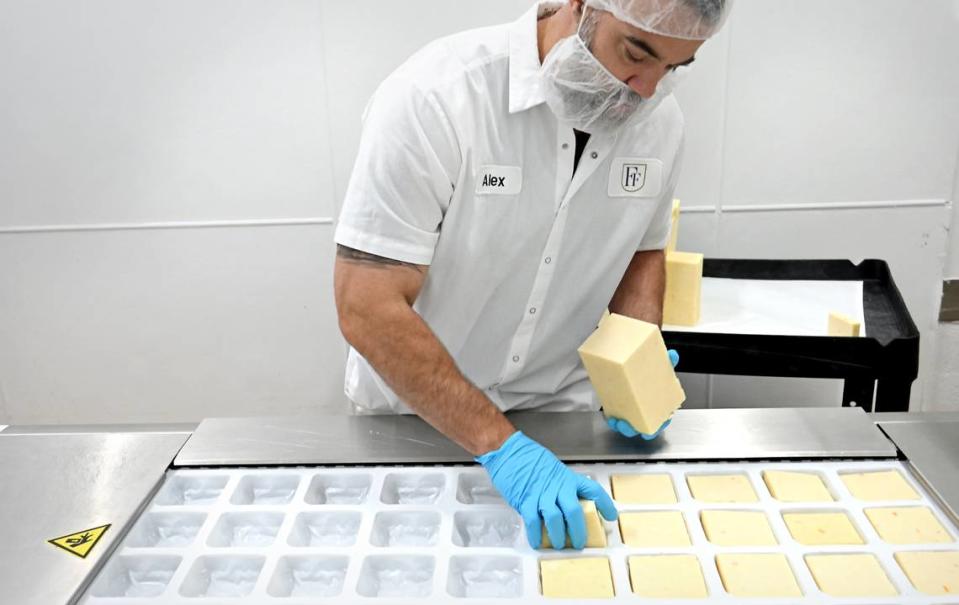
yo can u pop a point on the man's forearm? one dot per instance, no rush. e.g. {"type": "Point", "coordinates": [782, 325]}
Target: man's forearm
{"type": "Point", "coordinates": [396, 341]}
{"type": "Point", "coordinates": [641, 291]}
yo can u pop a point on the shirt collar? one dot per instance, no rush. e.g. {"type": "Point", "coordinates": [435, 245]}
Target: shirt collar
{"type": "Point", "coordinates": [525, 81]}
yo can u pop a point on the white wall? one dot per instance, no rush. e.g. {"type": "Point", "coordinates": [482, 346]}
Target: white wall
{"type": "Point", "coordinates": [169, 172]}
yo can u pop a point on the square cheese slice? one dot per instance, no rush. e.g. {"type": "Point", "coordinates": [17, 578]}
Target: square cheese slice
{"type": "Point", "coordinates": [721, 488]}
{"type": "Point", "coordinates": [595, 530]}
{"type": "Point", "coordinates": [682, 305]}
{"type": "Point", "coordinates": [643, 489]}
{"type": "Point", "coordinates": [654, 529]}
{"type": "Point", "coordinates": [737, 528]}
{"type": "Point", "coordinates": [850, 575]}
{"type": "Point", "coordinates": [582, 578]}
{"type": "Point", "coordinates": [877, 486]}
{"type": "Point", "coordinates": [789, 486]}
{"type": "Point", "coordinates": [822, 529]}
{"type": "Point", "coordinates": [667, 577]}
{"type": "Point", "coordinates": [629, 367]}
{"type": "Point", "coordinates": [757, 575]}
{"type": "Point", "coordinates": [843, 325]}
{"type": "Point", "coordinates": [908, 525]}
{"type": "Point", "coordinates": [935, 573]}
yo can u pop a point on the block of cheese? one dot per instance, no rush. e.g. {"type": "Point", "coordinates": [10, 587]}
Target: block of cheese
{"type": "Point", "coordinates": [850, 575]}
{"type": "Point", "coordinates": [581, 578]}
{"type": "Point", "coordinates": [667, 577]}
{"type": "Point", "coordinates": [908, 525]}
{"type": "Point", "coordinates": [935, 573]}
{"type": "Point", "coordinates": [721, 488]}
{"type": "Point", "coordinates": [643, 489]}
{"type": "Point", "coordinates": [674, 228]}
{"type": "Point", "coordinates": [629, 367]}
{"type": "Point", "coordinates": [881, 485]}
{"type": "Point", "coordinates": [595, 530]}
{"type": "Point", "coordinates": [654, 529]}
{"type": "Point", "coordinates": [757, 575]}
{"type": "Point", "coordinates": [789, 486]}
{"type": "Point", "coordinates": [737, 528]}
{"type": "Point", "coordinates": [684, 281]}
{"type": "Point", "coordinates": [843, 325]}
{"type": "Point", "coordinates": [822, 529]}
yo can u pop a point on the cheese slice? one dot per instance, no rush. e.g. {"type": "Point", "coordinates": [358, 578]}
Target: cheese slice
{"type": "Point", "coordinates": [935, 573]}
{"type": "Point", "coordinates": [643, 489]}
{"type": "Point", "coordinates": [667, 577]}
{"type": "Point", "coordinates": [881, 485]}
{"type": "Point", "coordinates": [788, 486]}
{"type": "Point", "coordinates": [757, 575]}
{"type": "Point", "coordinates": [850, 575]}
{"type": "Point", "coordinates": [595, 530]}
{"type": "Point", "coordinates": [843, 325]}
{"type": "Point", "coordinates": [682, 305]}
{"type": "Point", "coordinates": [629, 367]}
{"type": "Point", "coordinates": [654, 529]}
{"type": "Point", "coordinates": [721, 488]}
{"type": "Point", "coordinates": [582, 578]}
{"type": "Point", "coordinates": [674, 227]}
{"type": "Point", "coordinates": [909, 525]}
{"type": "Point", "coordinates": [737, 528]}
{"type": "Point", "coordinates": [822, 529]}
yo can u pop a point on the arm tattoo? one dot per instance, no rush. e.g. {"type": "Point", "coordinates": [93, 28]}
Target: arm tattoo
{"type": "Point", "coordinates": [364, 258]}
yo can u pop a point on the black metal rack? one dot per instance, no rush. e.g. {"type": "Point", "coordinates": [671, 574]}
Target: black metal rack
{"type": "Point", "coordinates": [885, 362]}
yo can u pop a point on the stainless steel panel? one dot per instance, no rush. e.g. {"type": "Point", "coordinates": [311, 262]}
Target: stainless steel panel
{"type": "Point", "coordinates": [62, 429]}
{"type": "Point", "coordinates": [932, 447]}
{"type": "Point", "coordinates": [694, 435]}
{"type": "Point", "coordinates": [54, 485]}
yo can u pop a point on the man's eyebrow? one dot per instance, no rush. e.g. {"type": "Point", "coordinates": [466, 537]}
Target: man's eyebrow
{"type": "Point", "coordinates": [649, 50]}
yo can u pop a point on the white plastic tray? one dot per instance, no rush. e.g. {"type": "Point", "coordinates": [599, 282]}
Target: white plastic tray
{"type": "Point", "coordinates": [402, 535]}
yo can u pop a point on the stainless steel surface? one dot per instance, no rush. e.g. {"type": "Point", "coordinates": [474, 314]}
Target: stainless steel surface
{"type": "Point", "coordinates": [694, 435]}
{"type": "Point", "coordinates": [932, 449]}
{"type": "Point", "coordinates": [61, 429]}
{"type": "Point", "coordinates": [57, 484]}
{"type": "Point", "coordinates": [890, 417]}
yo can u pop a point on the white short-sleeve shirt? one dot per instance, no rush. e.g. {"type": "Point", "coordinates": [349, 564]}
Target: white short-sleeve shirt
{"type": "Point", "coordinates": [463, 167]}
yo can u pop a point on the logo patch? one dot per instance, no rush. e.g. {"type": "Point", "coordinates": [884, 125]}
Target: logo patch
{"type": "Point", "coordinates": [636, 177]}
{"type": "Point", "coordinates": [499, 180]}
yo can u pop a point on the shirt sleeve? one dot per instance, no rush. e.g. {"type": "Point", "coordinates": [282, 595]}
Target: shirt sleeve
{"type": "Point", "coordinates": [657, 235]}
{"type": "Point", "coordinates": [403, 178]}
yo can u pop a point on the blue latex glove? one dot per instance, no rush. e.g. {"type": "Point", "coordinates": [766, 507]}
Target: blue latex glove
{"type": "Point", "coordinates": [625, 429]}
{"type": "Point", "coordinates": [542, 489]}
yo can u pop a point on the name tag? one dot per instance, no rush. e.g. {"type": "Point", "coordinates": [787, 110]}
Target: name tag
{"type": "Point", "coordinates": [499, 180]}
{"type": "Point", "coordinates": [636, 177]}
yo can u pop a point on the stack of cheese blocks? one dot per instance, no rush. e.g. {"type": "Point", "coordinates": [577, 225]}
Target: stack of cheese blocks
{"type": "Point", "coordinates": [684, 278]}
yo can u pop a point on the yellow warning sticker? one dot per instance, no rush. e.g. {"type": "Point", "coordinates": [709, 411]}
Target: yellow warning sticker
{"type": "Point", "coordinates": [81, 542]}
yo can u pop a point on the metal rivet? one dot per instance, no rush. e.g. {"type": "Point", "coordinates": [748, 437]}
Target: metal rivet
{"type": "Point", "coordinates": [532, 311]}
{"type": "Point", "coordinates": [594, 155]}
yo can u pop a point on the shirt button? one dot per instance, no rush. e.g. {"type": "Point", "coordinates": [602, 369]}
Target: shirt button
{"type": "Point", "coordinates": [515, 358]}
{"type": "Point", "coordinates": [565, 145]}
{"type": "Point", "coordinates": [594, 155]}
{"type": "Point", "coordinates": [548, 260]}
{"type": "Point", "coordinates": [532, 311]}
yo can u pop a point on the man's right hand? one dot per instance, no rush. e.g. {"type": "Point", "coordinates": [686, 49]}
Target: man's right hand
{"type": "Point", "coordinates": [544, 490]}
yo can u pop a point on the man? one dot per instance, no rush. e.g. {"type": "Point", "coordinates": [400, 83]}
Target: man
{"type": "Point", "coordinates": [512, 183]}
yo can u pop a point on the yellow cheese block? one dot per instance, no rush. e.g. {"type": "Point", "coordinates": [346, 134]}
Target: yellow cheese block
{"type": "Point", "coordinates": [788, 486]}
{"type": "Point", "coordinates": [583, 578]}
{"type": "Point", "coordinates": [843, 325]}
{"type": "Point", "coordinates": [909, 525]}
{"type": "Point", "coordinates": [822, 529]}
{"type": "Point", "coordinates": [737, 528]}
{"type": "Point", "coordinates": [935, 573]}
{"type": "Point", "coordinates": [880, 485]}
{"type": "Point", "coordinates": [629, 367]}
{"type": "Point", "coordinates": [654, 529]}
{"type": "Point", "coordinates": [667, 577]}
{"type": "Point", "coordinates": [850, 575]}
{"type": "Point", "coordinates": [595, 530]}
{"type": "Point", "coordinates": [674, 228]}
{"type": "Point", "coordinates": [757, 575]}
{"type": "Point", "coordinates": [684, 281]}
{"type": "Point", "coordinates": [721, 488]}
{"type": "Point", "coordinates": [643, 489]}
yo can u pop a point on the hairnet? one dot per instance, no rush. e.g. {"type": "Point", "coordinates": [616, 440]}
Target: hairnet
{"type": "Point", "coordinates": [687, 19]}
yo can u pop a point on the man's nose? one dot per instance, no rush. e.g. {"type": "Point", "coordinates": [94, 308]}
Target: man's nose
{"type": "Point", "coordinates": [644, 84]}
